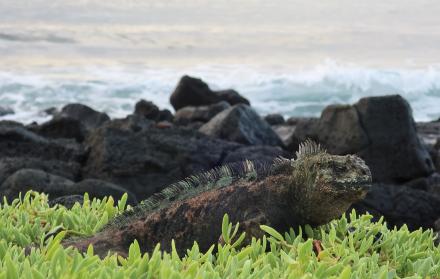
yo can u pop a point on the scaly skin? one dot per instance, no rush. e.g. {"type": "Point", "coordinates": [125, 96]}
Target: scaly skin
{"type": "Point", "coordinates": [313, 189]}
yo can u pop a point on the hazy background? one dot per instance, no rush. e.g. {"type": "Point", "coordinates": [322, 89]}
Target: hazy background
{"type": "Point", "coordinates": [293, 57]}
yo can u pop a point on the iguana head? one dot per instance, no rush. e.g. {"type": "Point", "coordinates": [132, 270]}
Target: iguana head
{"type": "Point", "coordinates": [324, 185]}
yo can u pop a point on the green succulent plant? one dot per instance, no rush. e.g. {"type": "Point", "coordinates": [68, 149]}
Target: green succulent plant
{"type": "Point", "coordinates": [351, 247]}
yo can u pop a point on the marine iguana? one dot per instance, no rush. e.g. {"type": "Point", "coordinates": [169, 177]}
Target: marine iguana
{"type": "Point", "coordinates": [313, 189]}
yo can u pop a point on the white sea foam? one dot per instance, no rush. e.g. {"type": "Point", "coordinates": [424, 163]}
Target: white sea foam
{"type": "Point", "coordinates": [291, 92]}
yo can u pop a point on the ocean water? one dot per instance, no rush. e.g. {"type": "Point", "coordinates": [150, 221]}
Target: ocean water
{"type": "Point", "coordinates": [291, 57]}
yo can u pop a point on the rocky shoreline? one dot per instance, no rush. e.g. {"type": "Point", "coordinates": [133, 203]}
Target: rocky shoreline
{"type": "Point", "coordinates": [82, 150]}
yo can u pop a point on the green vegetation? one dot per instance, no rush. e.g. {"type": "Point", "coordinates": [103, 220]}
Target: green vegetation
{"type": "Point", "coordinates": [358, 248]}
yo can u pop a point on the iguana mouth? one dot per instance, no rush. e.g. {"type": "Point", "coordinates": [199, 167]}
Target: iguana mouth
{"type": "Point", "coordinates": [361, 183]}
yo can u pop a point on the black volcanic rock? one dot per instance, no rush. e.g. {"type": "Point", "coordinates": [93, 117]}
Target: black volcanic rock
{"type": "Point", "coordinates": [232, 97]}
{"type": "Point", "coordinates": [146, 109]}
{"type": "Point", "coordinates": [274, 119]}
{"type": "Point", "coordinates": [150, 111]}
{"type": "Point", "coordinates": [16, 141]}
{"type": "Point", "coordinates": [89, 117]}
{"type": "Point", "coordinates": [203, 114]}
{"type": "Point", "coordinates": [194, 92]}
{"type": "Point", "coordinates": [56, 186]}
{"type": "Point", "coordinates": [37, 180]}
{"type": "Point", "coordinates": [146, 161]}
{"type": "Point", "coordinates": [401, 205]}
{"type": "Point", "coordinates": [241, 124]}
{"type": "Point", "coordinates": [132, 122]}
{"type": "Point", "coordinates": [9, 165]}
{"type": "Point", "coordinates": [380, 130]}
{"type": "Point", "coordinates": [61, 127]}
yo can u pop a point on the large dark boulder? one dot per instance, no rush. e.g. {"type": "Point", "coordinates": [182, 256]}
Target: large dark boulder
{"type": "Point", "coordinates": [9, 165]}
{"type": "Point", "coordinates": [242, 124]}
{"type": "Point", "coordinates": [16, 141]}
{"type": "Point", "coordinates": [61, 127]}
{"type": "Point", "coordinates": [56, 186]}
{"type": "Point", "coordinates": [187, 115]}
{"type": "Point", "coordinates": [89, 117]}
{"type": "Point", "coordinates": [146, 109]}
{"type": "Point", "coordinates": [274, 119]}
{"type": "Point", "coordinates": [401, 205]}
{"type": "Point", "coordinates": [382, 131]}
{"type": "Point", "coordinates": [340, 128]}
{"type": "Point", "coordinates": [146, 161]}
{"type": "Point", "coordinates": [150, 111]}
{"type": "Point", "coordinates": [37, 180]}
{"type": "Point", "coordinates": [194, 92]}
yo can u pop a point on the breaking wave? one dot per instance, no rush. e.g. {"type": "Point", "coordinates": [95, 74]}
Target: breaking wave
{"type": "Point", "coordinates": [290, 92]}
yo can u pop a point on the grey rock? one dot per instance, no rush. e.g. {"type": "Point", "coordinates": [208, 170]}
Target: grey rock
{"type": "Point", "coordinates": [203, 114]}
{"type": "Point", "coordinates": [56, 186]}
{"type": "Point", "coordinates": [133, 123]}
{"type": "Point", "coordinates": [274, 119]}
{"type": "Point", "coordinates": [380, 130]}
{"type": "Point", "coordinates": [9, 165]}
{"type": "Point", "coordinates": [16, 141]}
{"type": "Point", "coordinates": [194, 92]}
{"type": "Point", "coordinates": [37, 180]}
{"type": "Point", "coordinates": [401, 205]}
{"type": "Point", "coordinates": [61, 127]}
{"type": "Point", "coordinates": [430, 184]}
{"type": "Point", "coordinates": [241, 124]}
{"type": "Point", "coordinates": [287, 135]}
{"type": "Point", "coordinates": [146, 109]}
{"type": "Point", "coordinates": [89, 117]}
{"type": "Point", "coordinates": [341, 130]}
{"type": "Point", "coordinates": [306, 128]}
{"type": "Point", "coordinates": [232, 97]}
{"type": "Point", "coordinates": [146, 161]}
{"type": "Point", "coordinates": [150, 111]}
